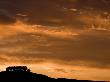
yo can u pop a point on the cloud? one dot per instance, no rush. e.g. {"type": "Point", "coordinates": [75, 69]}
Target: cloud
{"type": "Point", "coordinates": [90, 22]}
{"type": "Point", "coordinates": [6, 17]}
{"type": "Point", "coordinates": [88, 48]}
{"type": "Point", "coordinates": [72, 33]}
{"type": "Point", "coordinates": [57, 13]}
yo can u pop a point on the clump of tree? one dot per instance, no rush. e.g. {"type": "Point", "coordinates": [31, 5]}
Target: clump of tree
{"type": "Point", "coordinates": [17, 68]}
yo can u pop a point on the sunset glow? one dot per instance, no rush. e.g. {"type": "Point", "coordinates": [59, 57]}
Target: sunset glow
{"type": "Point", "coordinates": [58, 38]}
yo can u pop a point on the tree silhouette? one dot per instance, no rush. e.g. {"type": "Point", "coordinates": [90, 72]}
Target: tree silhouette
{"type": "Point", "coordinates": [23, 74]}
{"type": "Point", "coordinates": [17, 69]}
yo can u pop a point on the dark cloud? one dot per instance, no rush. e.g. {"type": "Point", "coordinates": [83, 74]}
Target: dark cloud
{"type": "Point", "coordinates": [6, 17]}
{"type": "Point", "coordinates": [58, 12]}
{"type": "Point", "coordinates": [51, 12]}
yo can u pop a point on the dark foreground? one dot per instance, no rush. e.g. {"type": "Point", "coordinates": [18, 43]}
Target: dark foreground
{"type": "Point", "coordinates": [21, 73]}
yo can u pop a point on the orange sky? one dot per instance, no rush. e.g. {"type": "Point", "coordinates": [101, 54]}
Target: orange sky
{"type": "Point", "coordinates": [59, 38]}
{"type": "Point", "coordinates": [56, 70]}
{"type": "Point", "coordinates": [51, 67]}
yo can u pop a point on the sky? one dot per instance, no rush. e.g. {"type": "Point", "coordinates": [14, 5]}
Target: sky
{"type": "Point", "coordinates": [58, 38]}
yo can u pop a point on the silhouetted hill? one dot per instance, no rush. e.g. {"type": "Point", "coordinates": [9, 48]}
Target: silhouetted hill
{"type": "Point", "coordinates": [23, 74]}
